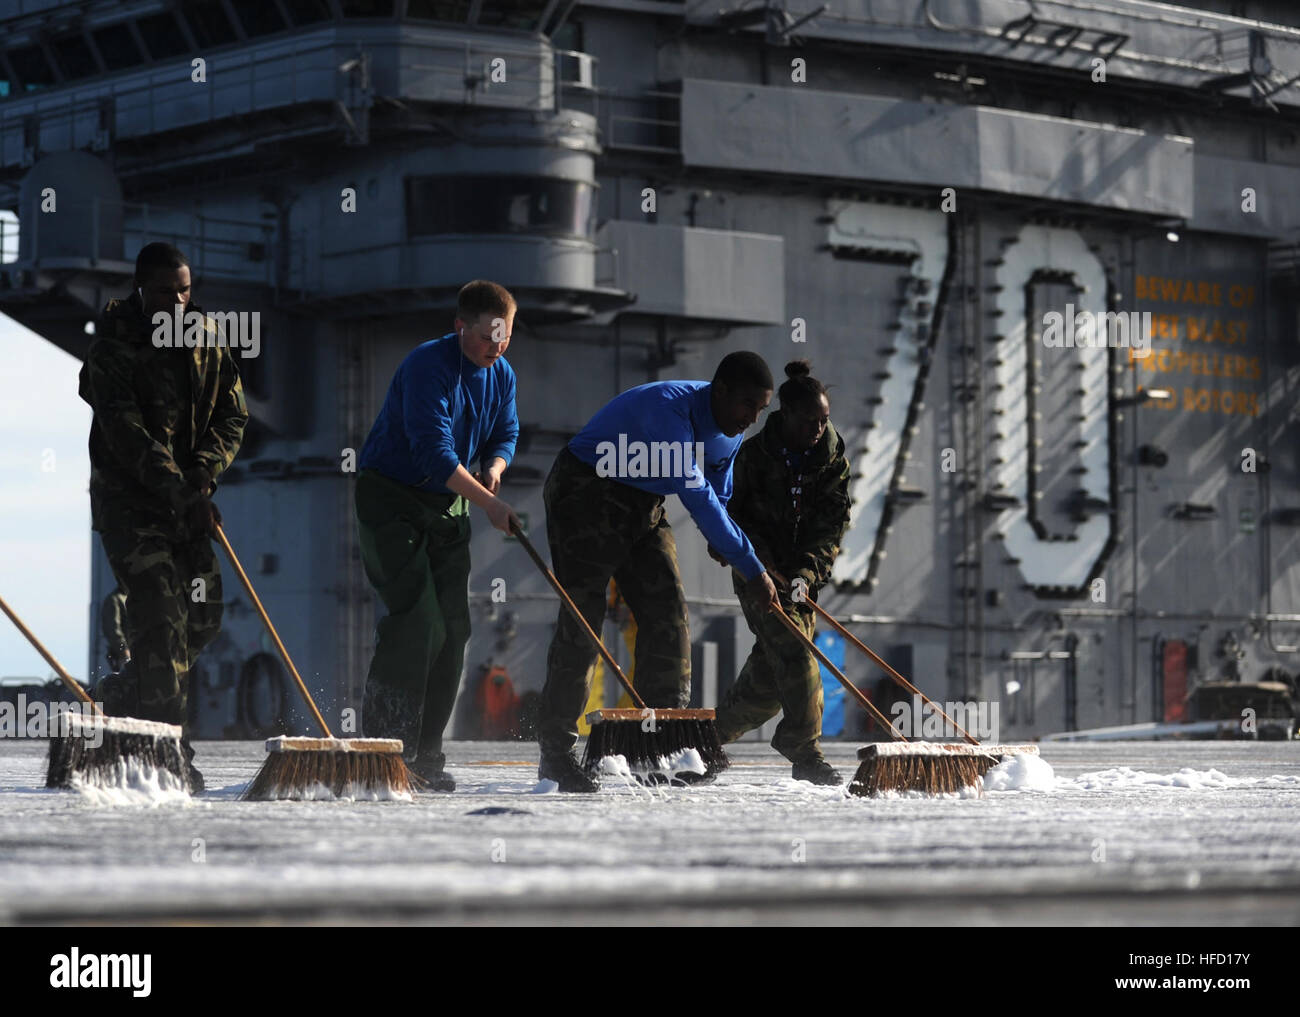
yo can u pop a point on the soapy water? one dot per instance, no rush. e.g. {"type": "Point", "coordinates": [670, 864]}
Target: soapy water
{"type": "Point", "coordinates": [131, 783]}
{"type": "Point", "coordinates": [675, 769]}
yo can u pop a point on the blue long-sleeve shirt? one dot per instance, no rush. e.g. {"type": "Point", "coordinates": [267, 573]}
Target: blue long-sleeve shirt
{"type": "Point", "coordinates": [678, 413]}
{"type": "Point", "coordinates": [442, 411]}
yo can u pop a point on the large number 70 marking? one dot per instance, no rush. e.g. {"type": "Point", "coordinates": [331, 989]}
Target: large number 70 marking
{"type": "Point", "coordinates": [920, 238]}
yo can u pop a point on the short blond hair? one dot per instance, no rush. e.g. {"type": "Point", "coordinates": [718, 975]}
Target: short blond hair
{"type": "Point", "coordinates": [483, 297]}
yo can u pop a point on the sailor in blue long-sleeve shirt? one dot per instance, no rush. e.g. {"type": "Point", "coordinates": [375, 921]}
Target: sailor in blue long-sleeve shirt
{"type": "Point", "coordinates": [451, 403]}
{"type": "Point", "coordinates": [605, 519]}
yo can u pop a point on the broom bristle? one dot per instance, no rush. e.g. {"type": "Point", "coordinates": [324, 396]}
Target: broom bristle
{"type": "Point", "coordinates": [320, 769]}
{"type": "Point", "coordinates": [654, 752]}
{"type": "Point", "coordinates": [936, 774]}
{"type": "Point", "coordinates": [929, 768]}
{"type": "Point", "coordinates": [114, 752]}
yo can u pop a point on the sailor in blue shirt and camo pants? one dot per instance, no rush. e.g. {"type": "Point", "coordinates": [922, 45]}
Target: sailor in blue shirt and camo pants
{"type": "Point", "coordinates": [451, 402]}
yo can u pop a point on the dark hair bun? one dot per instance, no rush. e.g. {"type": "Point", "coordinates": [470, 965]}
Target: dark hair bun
{"type": "Point", "coordinates": [798, 369]}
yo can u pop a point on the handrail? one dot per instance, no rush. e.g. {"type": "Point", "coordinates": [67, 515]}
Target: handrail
{"type": "Point", "coordinates": [217, 246]}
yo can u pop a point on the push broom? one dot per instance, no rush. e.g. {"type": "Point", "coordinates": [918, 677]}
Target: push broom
{"type": "Point", "coordinates": [104, 751]}
{"type": "Point", "coordinates": [903, 765]}
{"type": "Point", "coordinates": [649, 739]}
{"type": "Point", "coordinates": [316, 768]}
{"type": "Point", "coordinates": [984, 756]}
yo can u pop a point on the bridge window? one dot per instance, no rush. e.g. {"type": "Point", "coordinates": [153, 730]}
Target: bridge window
{"type": "Point", "coordinates": [568, 37]}
{"type": "Point", "coordinates": [506, 204]}
{"type": "Point", "coordinates": [308, 12]}
{"type": "Point", "coordinates": [207, 19]}
{"type": "Point", "coordinates": [367, 8]}
{"type": "Point", "coordinates": [74, 56]}
{"type": "Point", "coordinates": [117, 47]}
{"type": "Point", "coordinates": [438, 10]}
{"type": "Point", "coordinates": [258, 17]}
{"type": "Point", "coordinates": [162, 36]}
{"type": "Point", "coordinates": [32, 68]}
{"type": "Point", "coordinates": [523, 14]}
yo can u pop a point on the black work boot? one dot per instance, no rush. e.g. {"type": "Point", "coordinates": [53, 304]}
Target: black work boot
{"type": "Point", "coordinates": [119, 693]}
{"type": "Point", "coordinates": [119, 655]}
{"type": "Point", "coordinates": [817, 771]}
{"type": "Point", "coordinates": [195, 777]}
{"type": "Point", "coordinates": [432, 770]}
{"type": "Point", "coordinates": [564, 769]}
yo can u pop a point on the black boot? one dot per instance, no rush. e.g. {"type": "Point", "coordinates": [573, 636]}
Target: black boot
{"type": "Point", "coordinates": [195, 777]}
{"type": "Point", "coordinates": [564, 769]}
{"type": "Point", "coordinates": [119, 693]}
{"type": "Point", "coordinates": [432, 770]}
{"type": "Point", "coordinates": [119, 655]}
{"type": "Point", "coordinates": [817, 771]}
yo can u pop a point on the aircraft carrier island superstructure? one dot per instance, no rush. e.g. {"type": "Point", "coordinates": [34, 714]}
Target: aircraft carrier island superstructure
{"type": "Point", "coordinates": [932, 200]}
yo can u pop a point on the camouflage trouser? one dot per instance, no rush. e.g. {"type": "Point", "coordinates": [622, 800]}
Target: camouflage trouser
{"type": "Point", "coordinates": [112, 617]}
{"type": "Point", "coordinates": [598, 528]}
{"type": "Point", "coordinates": [112, 622]}
{"type": "Point", "coordinates": [780, 675]}
{"type": "Point", "coordinates": [172, 584]}
{"type": "Point", "coordinates": [415, 550]}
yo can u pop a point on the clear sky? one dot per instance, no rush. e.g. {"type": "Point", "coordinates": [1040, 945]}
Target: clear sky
{"type": "Point", "coordinates": [44, 506]}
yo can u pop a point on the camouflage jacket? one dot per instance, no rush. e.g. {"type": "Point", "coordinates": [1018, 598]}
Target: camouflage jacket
{"type": "Point", "coordinates": [761, 503]}
{"type": "Point", "coordinates": [157, 413]}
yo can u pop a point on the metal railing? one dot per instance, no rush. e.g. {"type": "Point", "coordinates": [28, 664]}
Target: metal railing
{"type": "Point", "coordinates": [236, 250]}
{"type": "Point", "coordinates": [144, 102]}
{"type": "Point", "coordinates": [316, 67]}
{"type": "Point", "coordinates": [640, 121]}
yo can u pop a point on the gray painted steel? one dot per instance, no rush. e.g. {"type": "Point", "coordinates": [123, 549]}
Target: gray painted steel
{"type": "Point", "coordinates": [805, 132]}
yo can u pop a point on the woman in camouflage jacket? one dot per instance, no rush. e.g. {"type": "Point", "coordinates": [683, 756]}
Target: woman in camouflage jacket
{"type": "Point", "coordinates": [791, 498]}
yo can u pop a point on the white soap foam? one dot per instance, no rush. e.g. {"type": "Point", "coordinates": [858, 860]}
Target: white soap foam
{"type": "Point", "coordinates": [131, 782]}
{"type": "Point", "coordinates": [1020, 773]}
{"type": "Point", "coordinates": [351, 793]}
{"type": "Point", "coordinates": [614, 766]}
{"type": "Point", "coordinates": [685, 761]}
{"type": "Point", "coordinates": [971, 791]}
{"type": "Point", "coordinates": [1126, 778]}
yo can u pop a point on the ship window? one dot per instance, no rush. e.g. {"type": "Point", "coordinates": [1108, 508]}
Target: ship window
{"type": "Point", "coordinates": [30, 65]}
{"type": "Point", "coordinates": [208, 20]}
{"type": "Point", "coordinates": [438, 10]}
{"type": "Point", "coordinates": [162, 36]}
{"type": "Point", "coordinates": [74, 56]}
{"type": "Point", "coordinates": [475, 204]}
{"type": "Point", "coordinates": [117, 47]}
{"type": "Point", "coordinates": [522, 14]}
{"type": "Point", "coordinates": [308, 12]}
{"type": "Point", "coordinates": [568, 37]}
{"type": "Point", "coordinates": [367, 8]}
{"type": "Point", "coordinates": [258, 17]}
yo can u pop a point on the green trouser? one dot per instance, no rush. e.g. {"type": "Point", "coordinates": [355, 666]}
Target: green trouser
{"type": "Point", "coordinates": [780, 675]}
{"type": "Point", "coordinates": [173, 598]}
{"type": "Point", "coordinates": [600, 529]}
{"type": "Point", "coordinates": [415, 550]}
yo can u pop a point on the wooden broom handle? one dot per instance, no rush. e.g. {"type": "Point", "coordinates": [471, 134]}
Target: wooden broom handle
{"type": "Point", "coordinates": [884, 666]}
{"type": "Point", "coordinates": [284, 654]}
{"type": "Point", "coordinates": [848, 685]}
{"type": "Point", "coordinates": [573, 610]}
{"type": "Point", "coordinates": [66, 678]}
